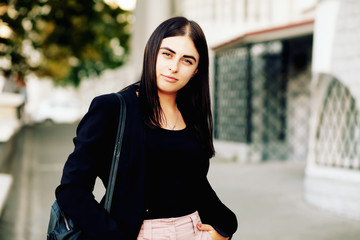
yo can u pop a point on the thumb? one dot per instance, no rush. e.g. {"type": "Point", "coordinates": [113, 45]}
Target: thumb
{"type": "Point", "coordinates": [204, 227]}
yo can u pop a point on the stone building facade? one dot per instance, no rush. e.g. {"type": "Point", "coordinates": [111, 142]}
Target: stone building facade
{"type": "Point", "coordinates": [333, 166]}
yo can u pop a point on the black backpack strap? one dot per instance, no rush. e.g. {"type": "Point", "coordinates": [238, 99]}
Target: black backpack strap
{"type": "Point", "coordinates": [116, 155]}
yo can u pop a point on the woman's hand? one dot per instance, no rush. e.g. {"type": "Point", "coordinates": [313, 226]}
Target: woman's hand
{"type": "Point", "coordinates": [213, 233]}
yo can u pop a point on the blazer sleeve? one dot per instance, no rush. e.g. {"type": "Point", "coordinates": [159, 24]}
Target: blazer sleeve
{"type": "Point", "coordinates": [92, 156]}
{"type": "Point", "coordinates": [212, 211]}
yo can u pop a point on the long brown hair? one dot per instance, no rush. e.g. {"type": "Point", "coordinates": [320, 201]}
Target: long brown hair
{"type": "Point", "coordinates": [193, 100]}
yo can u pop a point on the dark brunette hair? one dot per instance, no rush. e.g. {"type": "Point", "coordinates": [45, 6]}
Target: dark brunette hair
{"type": "Point", "coordinates": [193, 100]}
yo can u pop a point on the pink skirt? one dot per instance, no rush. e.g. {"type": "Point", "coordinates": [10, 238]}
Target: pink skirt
{"type": "Point", "coordinates": [180, 228]}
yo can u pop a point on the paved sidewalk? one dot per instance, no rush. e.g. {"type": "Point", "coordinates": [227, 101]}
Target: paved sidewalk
{"type": "Point", "coordinates": [267, 198]}
{"type": "Point", "coordinates": [268, 201]}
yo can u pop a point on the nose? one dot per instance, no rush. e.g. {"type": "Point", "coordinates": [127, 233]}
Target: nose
{"type": "Point", "coordinates": [173, 66]}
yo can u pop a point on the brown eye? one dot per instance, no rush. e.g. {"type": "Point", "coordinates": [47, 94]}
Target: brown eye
{"type": "Point", "coordinates": [187, 61]}
{"type": "Point", "coordinates": [166, 54]}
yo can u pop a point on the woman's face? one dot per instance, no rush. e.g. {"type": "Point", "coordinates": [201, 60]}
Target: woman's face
{"type": "Point", "coordinates": [176, 64]}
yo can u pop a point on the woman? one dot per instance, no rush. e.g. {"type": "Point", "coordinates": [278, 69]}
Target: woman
{"type": "Point", "coordinates": [161, 190]}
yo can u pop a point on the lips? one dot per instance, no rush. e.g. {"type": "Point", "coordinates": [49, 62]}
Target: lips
{"type": "Point", "coordinates": [170, 79]}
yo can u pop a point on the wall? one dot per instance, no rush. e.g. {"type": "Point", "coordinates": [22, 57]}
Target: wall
{"type": "Point", "coordinates": [223, 20]}
{"type": "Point", "coordinates": [332, 174]}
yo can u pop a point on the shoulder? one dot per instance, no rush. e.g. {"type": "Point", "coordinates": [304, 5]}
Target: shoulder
{"type": "Point", "coordinates": [111, 101]}
{"type": "Point", "coordinates": [104, 100]}
{"type": "Point", "coordinates": [129, 95]}
{"type": "Point", "coordinates": [105, 108]}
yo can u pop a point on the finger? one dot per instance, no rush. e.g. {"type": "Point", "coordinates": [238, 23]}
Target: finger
{"type": "Point", "coordinates": [205, 227]}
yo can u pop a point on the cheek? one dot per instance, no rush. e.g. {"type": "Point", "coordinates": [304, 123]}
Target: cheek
{"type": "Point", "coordinates": [189, 73]}
{"type": "Point", "coordinates": [157, 65]}
{"type": "Point", "coordinates": [161, 63]}
{"type": "Point", "coordinates": [187, 78]}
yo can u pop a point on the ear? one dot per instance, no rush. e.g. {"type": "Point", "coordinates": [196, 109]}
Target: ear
{"type": "Point", "coordinates": [194, 73]}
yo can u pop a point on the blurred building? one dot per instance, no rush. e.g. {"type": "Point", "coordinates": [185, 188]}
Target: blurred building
{"type": "Point", "coordinates": [284, 84]}
{"type": "Point", "coordinates": [332, 175]}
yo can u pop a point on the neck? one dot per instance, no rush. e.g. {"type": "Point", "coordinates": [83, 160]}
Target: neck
{"type": "Point", "coordinates": [169, 109]}
{"type": "Point", "coordinates": [167, 101]}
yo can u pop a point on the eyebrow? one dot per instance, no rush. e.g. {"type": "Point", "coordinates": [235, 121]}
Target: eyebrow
{"type": "Point", "coordinates": [186, 56]}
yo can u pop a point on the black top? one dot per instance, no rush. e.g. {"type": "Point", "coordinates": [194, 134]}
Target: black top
{"type": "Point", "coordinates": [171, 176]}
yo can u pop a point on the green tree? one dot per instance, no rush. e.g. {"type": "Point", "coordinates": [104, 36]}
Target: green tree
{"type": "Point", "coordinates": [66, 40]}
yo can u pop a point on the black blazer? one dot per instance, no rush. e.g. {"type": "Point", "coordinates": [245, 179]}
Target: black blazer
{"type": "Point", "coordinates": [91, 158]}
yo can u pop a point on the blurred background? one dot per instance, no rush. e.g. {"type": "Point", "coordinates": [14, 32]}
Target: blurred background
{"type": "Point", "coordinates": [285, 94]}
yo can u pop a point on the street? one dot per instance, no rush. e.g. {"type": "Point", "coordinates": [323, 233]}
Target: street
{"type": "Point", "coordinates": [267, 198]}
